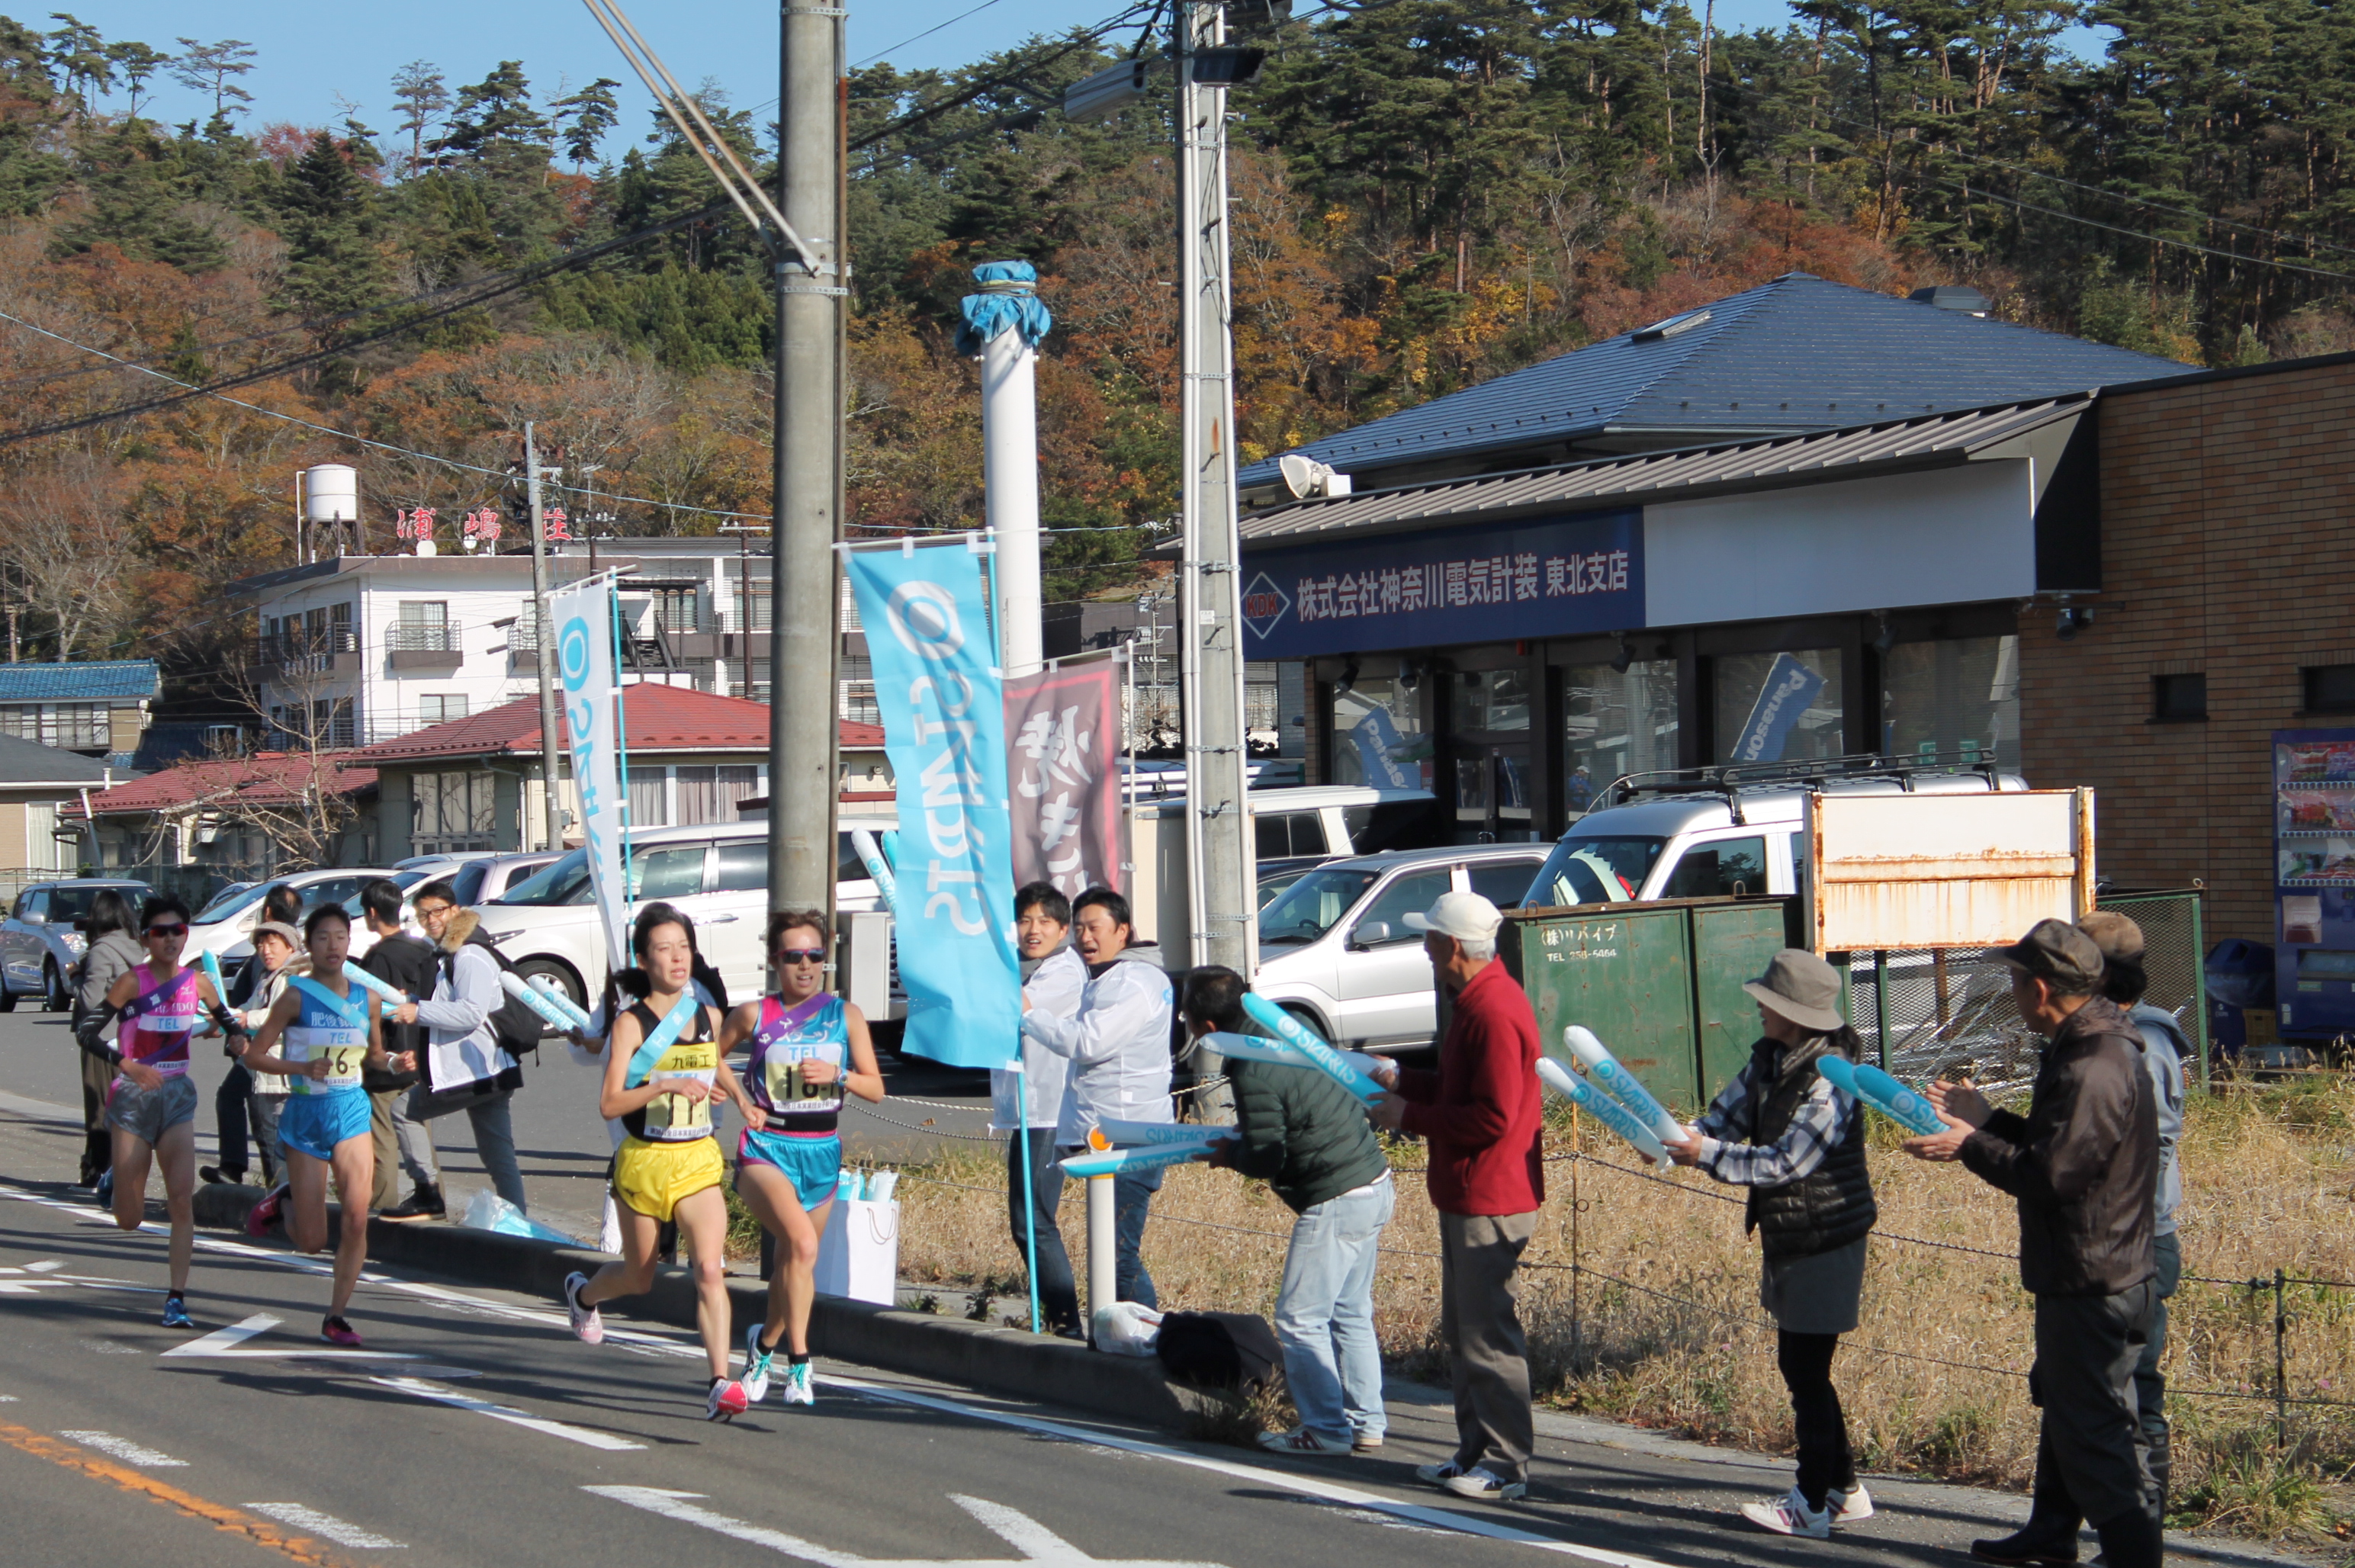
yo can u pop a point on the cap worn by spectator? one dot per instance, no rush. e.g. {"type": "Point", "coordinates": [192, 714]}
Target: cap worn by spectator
{"type": "Point", "coordinates": [2058, 953]}
{"type": "Point", "coordinates": [280, 928]}
{"type": "Point", "coordinates": [1467, 917]}
{"type": "Point", "coordinates": [1801, 987]}
{"type": "Point", "coordinates": [2114, 934]}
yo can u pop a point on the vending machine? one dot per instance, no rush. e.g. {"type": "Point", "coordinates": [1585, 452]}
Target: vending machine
{"type": "Point", "coordinates": [2314, 882]}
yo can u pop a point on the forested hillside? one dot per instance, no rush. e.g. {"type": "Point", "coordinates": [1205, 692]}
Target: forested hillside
{"type": "Point", "coordinates": [1427, 192]}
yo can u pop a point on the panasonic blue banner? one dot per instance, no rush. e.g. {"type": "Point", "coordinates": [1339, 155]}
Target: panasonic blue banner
{"type": "Point", "coordinates": [944, 711]}
{"type": "Point", "coordinates": [1547, 577]}
{"type": "Point", "coordinates": [1789, 689]}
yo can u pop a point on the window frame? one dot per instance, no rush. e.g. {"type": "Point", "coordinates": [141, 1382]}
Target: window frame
{"type": "Point", "coordinates": [2161, 711]}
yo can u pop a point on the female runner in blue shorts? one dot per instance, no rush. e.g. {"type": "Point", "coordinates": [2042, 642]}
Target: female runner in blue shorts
{"type": "Point", "coordinates": [807, 1046]}
{"type": "Point", "coordinates": [319, 1033]}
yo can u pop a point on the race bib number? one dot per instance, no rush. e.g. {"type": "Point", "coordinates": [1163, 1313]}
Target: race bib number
{"type": "Point", "coordinates": [343, 1062]}
{"type": "Point", "coordinates": [788, 1082]}
{"type": "Point", "coordinates": [678, 1116]}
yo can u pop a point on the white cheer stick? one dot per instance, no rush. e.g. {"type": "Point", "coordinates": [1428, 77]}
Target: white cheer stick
{"type": "Point", "coordinates": [547, 986]}
{"type": "Point", "coordinates": [393, 995]}
{"type": "Point", "coordinates": [538, 1001]}
{"type": "Point", "coordinates": [1622, 1085]}
{"type": "Point", "coordinates": [1602, 1108]}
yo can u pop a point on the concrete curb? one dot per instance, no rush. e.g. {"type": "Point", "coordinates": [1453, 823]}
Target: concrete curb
{"type": "Point", "coordinates": [952, 1350]}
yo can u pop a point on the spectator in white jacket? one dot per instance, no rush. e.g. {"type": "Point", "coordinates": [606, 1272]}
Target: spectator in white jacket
{"type": "Point", "coordinates": [463, 1066]}
{"type": "Point", "coordinates": [1117, 1044]}
{"type": "Point", "coordinates": [1027, 1104]}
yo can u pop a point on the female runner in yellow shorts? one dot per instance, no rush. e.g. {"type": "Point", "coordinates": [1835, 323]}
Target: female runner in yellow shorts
{"type": "Point", "coordinates": [668, 1166]}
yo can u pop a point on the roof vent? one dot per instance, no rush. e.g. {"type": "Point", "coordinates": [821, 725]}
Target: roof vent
{"type": "Point", "coordinates": [1953, 296]}
{"type": "Point", "coordinates": [1683, 322]}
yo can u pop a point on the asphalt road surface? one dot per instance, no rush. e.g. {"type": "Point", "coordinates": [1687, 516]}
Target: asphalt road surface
{"type": "Point", "coordinates": [473, 1429]}
{"type": "Point", "coordinates": [560, 1141]}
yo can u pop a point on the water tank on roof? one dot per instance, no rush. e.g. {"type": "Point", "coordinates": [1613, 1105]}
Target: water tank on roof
{"type": "Point", "coordinates": [331, 494]}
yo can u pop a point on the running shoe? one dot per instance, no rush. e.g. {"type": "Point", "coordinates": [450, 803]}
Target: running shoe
{"type": "Point", "coordinates": [1485, 1485]}
{"type": "Point", "coordinates": [1364, 1442]}
{"type": "Point", "coordinates": [1302, 1440]}
{"type": "Point", "coordinates": [797, 1384]}
{"type": "Point", "coordinates": [176, 1312]}
{"type": "Point", "coordinates": [1790, 1515]}
{"type": "Point", "coordinates": [219, 1176]}
{"type": "Point", "coordinates": [264, 1214]}
{"type": "Point", "coordinates": [103, 1193]}
{"type": "Point", "coordinates": [335, 1331]}
{"type": "Point", "coordinates": [1850, 1506]}
{"type": "Point", "coordinates": [756, 1366]}
{"type": "Point", "coordinates": [587, 1325]}
{"type": "Point", "coordinates": [726, 1402]}
{"type": "Point", "coordinates": [1438, 1474]}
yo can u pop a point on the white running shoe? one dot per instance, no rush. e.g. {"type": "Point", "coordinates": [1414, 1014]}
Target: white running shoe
{"type": "Point", "coordinates": [797, 1384]}
{"type": "Point", "coordinates": [756, 1366]}
{"type": "Point", "coordinates": [1485, 1485]}
{"type": "Point", "coordinates": [1848, 1506]}
{"type": "Point", "coordinates": [1790, 1515]}
{"type": "Point", "coordinates": [587, 1325]}
{"type": "Point", "coordinates": [726, 1402]}
{"type": "Point", "coordinates": [1438, 1474]}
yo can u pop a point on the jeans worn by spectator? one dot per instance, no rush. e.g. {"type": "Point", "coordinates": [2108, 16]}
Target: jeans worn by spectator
{"type": "Point", "coordinates": [1058, 1294]}
{"type": "Point", "coordinates": [1132, 1195]}
{"type": "Point", "coordinates": [1325, 1314]}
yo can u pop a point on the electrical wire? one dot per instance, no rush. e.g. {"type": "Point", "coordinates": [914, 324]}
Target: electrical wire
{"type": "Point", "coordinates": [928, 32]}
{"type": "Point", "coordinates": [2137, 234]}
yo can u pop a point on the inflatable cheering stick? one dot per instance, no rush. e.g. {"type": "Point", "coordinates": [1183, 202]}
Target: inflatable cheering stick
{"type": "Point", "coordinates": [1119, 1134]}
{"type": "Point", "coordinates": [1622, 1085]}
{"type": "Point", "coordinates": [886, 886]}
{"type": "Point", "coordinates": [1315, 1051]}
{"type": "Point", "coordinates": [221, 1015]}
{"type": "Point", "coordinates": [1871, 1086]}
{"type": "Point", "coordinates": [538, 1001]}
{"type": "Point", "coordinates": [394, 997]}
{"type": "Point", "coordinates": [547, 986]}
{"type": "Point", "coordinates": [1602, 1108]}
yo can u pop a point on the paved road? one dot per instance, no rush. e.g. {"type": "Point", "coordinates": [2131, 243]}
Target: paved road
{"type": "Point", "coordinates": [561, 1140]}
{"type": "Point", "coordinates": [476, 1429]}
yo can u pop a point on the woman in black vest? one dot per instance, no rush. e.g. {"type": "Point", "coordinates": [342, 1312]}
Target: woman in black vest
{"type": "Point", "coordinates": [1783, 1131]}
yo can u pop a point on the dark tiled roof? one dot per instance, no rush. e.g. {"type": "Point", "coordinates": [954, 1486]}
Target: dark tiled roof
{"type": "Point", "coordinates": [97, 681]}
{"type": "Point", "coordinates": [1799, 353]}
{"type": "Point", "coordinates": [30, 762]}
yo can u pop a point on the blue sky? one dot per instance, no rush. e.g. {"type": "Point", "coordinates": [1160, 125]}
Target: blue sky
{"type": "Point", "coordinates": [305, 61]}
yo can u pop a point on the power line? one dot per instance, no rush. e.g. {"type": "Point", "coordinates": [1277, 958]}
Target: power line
{"type": "Point", "coordinates": [2138, 234]}
{"type": "Point", "coordinates": [927, 32]}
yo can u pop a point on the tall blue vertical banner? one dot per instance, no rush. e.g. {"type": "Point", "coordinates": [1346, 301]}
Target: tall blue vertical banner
{"type": "Point", "coordinates": [944, 711]}
{"type": "Point", "coordinates": [582, 615]}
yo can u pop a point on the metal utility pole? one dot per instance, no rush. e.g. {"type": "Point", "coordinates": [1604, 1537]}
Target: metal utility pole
{"type": "Point", "coordinates": [805, 603]}
{"type": "Point", "coordinates": [1220, 871]}
{"type": "Point", "coordinates": [545, 637]}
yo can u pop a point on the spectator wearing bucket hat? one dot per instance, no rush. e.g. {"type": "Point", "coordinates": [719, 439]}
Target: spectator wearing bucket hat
{"type": "Point", "coordinates": [1480, 1115]}
{"type": "Point", "coordinates": [2164, 1049]}
{"type": "Point", "coordinates": [1782, 1130]}
{"type": "Point", "coordinates": [2083, 1165]}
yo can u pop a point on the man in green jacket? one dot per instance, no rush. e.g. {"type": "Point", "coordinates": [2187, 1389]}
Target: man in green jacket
{"type": "Point", "coordinates": [1309, 1138]}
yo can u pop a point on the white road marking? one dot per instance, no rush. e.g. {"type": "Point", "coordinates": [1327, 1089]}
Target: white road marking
{"type": "Point", "coordinates": [44, 1266]}
{"type": "Point", "coordinates": [221, 1340]}
{"type": "Point", "coordinates": [1033, 1541]}
{"type": "Point", "coordinates": [336, 1530]}
{"type": "Point", "coordinates": [580, 1435]}
{"type": "Point", "coordinates": [122, 1448]}
{"type": "Point", "coordinates": [229, 1344]}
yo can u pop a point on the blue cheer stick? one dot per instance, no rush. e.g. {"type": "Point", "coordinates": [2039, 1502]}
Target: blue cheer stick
{"type": "Point", "coordinates": [886, 886]}
{"type": "Point", "coordinates": [1319, 1055]}
{"type": "Point", "coordinates": [1606, 1073]}
{"type": "Point", "coordinates": [1147, 1157]}
{"type": "Point", "coordinates": [1132, 1133]}
{"type": "Point", "coordinates": [538, 1001]}
{"type": "Point", "coordinates": [393, 995]}
{"type": "Point", "coordinates": [1602, 1108]}
{"type": "Point", "coordinates": [546, 985]}
{"type": "Point", "coordinates": [674, 1023]}
{"type": "Point", "coordinates": [1871, 1086]}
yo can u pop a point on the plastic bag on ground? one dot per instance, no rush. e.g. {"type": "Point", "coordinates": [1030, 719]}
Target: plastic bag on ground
{"type": "Point", "coordinates": [1127, 1329]}
{"type": "Point", "coordinates": [486, 1211]}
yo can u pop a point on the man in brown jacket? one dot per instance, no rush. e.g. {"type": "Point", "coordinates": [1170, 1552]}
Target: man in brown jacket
{"type": "Point", "coordinates": [2084, 1165]}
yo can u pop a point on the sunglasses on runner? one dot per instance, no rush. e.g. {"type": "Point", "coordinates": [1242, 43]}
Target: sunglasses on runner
{"type": "Point", "coordinates": [801, 954]}
{"type": "Point", "coordinates": [167, 930]}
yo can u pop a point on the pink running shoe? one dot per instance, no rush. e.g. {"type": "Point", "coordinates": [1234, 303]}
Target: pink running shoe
{"type": "Point", "coordinates": [727, 1401]}
{"type": "Point", "coordinates": [264, 1214]}
{"type": "Point", "coordinates": [335, 1331]}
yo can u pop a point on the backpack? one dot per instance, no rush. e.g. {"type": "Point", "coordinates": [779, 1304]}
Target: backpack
{"type": "Point", "coordinates": [514, 1025]}
{"type": "Point", "coordinates": [1231, 1350]}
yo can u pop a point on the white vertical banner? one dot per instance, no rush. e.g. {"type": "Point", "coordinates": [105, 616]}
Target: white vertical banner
{"type": "Point", "coordinates": [582, 616]}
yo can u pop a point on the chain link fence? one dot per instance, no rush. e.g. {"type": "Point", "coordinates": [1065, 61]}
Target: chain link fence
{"type": "Point", "coordinates": [1949, 1011]}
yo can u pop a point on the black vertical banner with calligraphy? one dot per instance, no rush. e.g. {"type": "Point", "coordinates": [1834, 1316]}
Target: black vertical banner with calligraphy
{"type": "Point", "coordinates": [1062, 735]}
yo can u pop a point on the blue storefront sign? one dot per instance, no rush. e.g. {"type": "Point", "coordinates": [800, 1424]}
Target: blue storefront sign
{"type": "Point", "coordinates": [1547, 577]}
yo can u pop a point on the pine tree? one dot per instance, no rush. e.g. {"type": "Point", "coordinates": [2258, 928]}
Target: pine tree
{"type": "Point", "coordinates": [423, 95]}
{"type": "Point", "coordinates": [332, 265]}
{"type": "Point", "coordinates": [584, 117]}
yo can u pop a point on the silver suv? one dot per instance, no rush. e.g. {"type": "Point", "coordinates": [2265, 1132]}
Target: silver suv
{"type": "Point", "coordinates": [1335, 950]}
{"type": "Point", "coordinates": [42, 939]}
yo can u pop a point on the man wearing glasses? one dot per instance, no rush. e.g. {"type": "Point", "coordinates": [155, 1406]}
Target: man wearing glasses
{"type": "Point", "coordinates": [465, 1068]}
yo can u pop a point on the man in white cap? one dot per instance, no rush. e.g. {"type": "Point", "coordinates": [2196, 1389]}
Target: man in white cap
{"type": "Point", "coordinates": [1480, 1115]}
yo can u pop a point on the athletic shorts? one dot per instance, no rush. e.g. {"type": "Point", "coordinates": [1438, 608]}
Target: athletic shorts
{"type": "Point", "coordinates": [316, 1124]}
{"type": "Point", "coordinates": [812, 1164]}
{"type": "Point", "coordinates": [148, 1113]}
{"type": "Point", "coordinates": [654, 1177]}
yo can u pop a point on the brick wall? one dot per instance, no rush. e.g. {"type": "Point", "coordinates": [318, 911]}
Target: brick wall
{"type": "Point", "coordinates": [2228, 548]}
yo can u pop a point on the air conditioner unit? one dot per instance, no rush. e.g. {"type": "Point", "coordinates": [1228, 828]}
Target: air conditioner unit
{"type": "Point", "coordinates": [1112, 89]}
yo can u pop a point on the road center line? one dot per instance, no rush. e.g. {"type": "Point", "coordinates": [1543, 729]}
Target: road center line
{"type": "Point", "coordinates": [260, 1533]}
{"type": "Point", "coordinates": [336, 1530]}
{"type": "Point", "coordinates": [587, 1438]}
{"type": "Point", "coordinates": [127, 1451]}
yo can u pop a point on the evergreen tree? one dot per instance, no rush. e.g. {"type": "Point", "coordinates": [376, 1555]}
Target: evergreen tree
{"type": "Point", "coordinates": [584, 118]}
{"type": "Point", "coordinates": [423, 95]}
{"type": "Point", "coordinates": [333, 265]}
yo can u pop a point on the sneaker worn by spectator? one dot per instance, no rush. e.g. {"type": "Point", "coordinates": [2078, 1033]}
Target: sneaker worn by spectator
{"type": "Point", "coordinates": [425, 1203]}
{"type": "Point", "coordinates": [1790, 1515]}
{"type": "Point", "coordinates": [1485, 1484]}
{"type": "Point", "coordinates": [1302, 1440]}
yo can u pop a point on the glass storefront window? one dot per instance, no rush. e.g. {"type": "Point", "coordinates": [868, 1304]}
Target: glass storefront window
{"type": "Point", "coordinates": [1494, 699]}
{"type": "Point", "coordinates": [1758, 706]}
{"type": "Point", "coordinates": [1955, 700]}
{"type": "Point", "coordinates": [1379, 715]}
{"type": "Point", "coordinates": [1614, 724]}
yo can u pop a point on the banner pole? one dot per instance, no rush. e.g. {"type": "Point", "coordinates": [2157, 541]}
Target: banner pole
{"type": "Point", "coordinates": [619, 942]}
{"type": "Point", "coordinates": [1029, 1208]}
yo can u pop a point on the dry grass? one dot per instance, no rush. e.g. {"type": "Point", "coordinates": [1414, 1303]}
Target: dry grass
{"type": "Point", "coordinates": [1662, 1327]}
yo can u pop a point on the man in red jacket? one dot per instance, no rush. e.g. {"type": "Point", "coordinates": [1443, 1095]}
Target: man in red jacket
{"type": "Point", "coordinates": [1479, 1115]}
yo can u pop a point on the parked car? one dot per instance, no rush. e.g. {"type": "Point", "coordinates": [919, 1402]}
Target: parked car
{"type": "Point", "coordinates": [717, 873]}
{"type": "Point", "coordinates": [41, 940]}
{"type": "Point", "coordinates": [228, 923]}
{"type": "Point", "coordinates": [442, 864]}
{"type": "Point", "coordinates": [477, 878]}
{"type": "Point", "coordinates": [1335, 950]}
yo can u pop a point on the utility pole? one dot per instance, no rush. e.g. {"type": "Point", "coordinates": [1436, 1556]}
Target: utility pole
{"type": "Point", "coordinates": [546, 637]}
{"type": "Point", "coordinates": [1221, 872]}
{"type": "Point", "coordinates": [805, 604]}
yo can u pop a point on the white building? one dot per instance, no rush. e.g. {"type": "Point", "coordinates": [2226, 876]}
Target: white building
{"type": "Point", "coordinates": [358, 649]}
